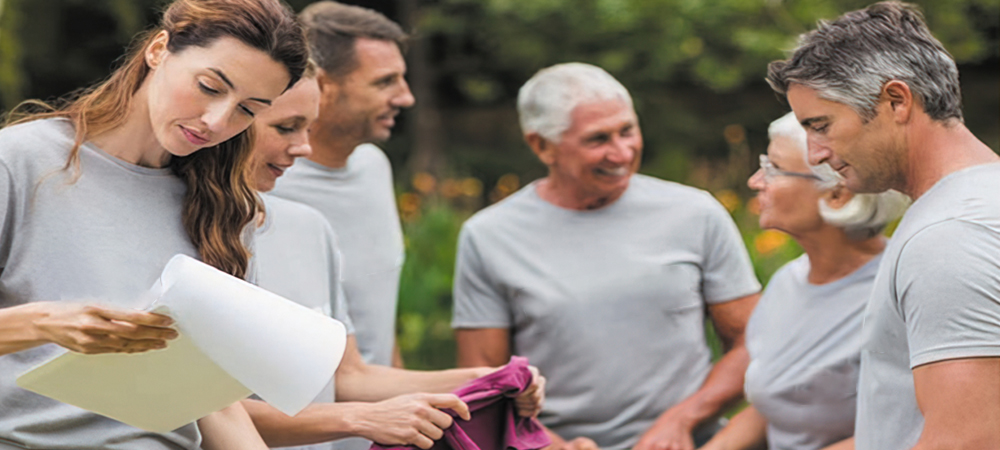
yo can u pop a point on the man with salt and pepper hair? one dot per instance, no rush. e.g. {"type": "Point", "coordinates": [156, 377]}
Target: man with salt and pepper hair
{"type": "Point", "coordinates": [602, 278]}
{"type": "Point", "coordinates": [880, 101]}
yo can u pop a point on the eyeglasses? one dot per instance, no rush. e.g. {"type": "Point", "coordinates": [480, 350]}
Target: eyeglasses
{"type": "Point", "coordinates": [770, 171]}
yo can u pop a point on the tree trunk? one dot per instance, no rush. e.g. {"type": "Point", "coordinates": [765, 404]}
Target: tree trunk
{"type": "Point", "coordinates": [426, 126]}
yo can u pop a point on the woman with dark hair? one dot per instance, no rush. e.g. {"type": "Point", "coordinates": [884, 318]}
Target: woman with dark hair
{"type": "Point", "coordinates": [98, 194]}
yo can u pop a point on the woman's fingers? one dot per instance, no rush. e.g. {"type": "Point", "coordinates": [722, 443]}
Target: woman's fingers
{"type": "Point", "coordinates": [91, 329]}
{"type": "Point", "coordinates": [452, 402]}
{"type": "Point", "coordinates": [142, 318]}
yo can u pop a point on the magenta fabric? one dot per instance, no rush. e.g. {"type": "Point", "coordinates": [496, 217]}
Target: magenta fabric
{"type": "Point", "coordinates": [495, 424]}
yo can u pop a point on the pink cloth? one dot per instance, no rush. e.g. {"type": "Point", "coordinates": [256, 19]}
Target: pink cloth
{"type": "Point", "coordinates": [495, 424]}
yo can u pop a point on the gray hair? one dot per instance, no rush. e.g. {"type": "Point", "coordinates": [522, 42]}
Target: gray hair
{"type": "Point", "coordinates": [546, 101]}
{"type": "Point", "coordinates": [864, 215]}
{"type": "Point", "coordinates": [849, 60]}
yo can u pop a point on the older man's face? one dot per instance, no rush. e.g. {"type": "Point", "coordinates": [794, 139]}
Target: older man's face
{"type": "Point", "coordinates": [599, 152]}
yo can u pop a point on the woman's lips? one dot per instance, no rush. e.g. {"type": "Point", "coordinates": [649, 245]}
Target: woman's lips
{"type": "Point", "coordinates": [275, 170]}
{"type": "Point", "coordinates": [193, 137]}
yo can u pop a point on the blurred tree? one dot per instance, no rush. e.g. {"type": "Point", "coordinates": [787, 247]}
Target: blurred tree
{"type": "Point", "coordinates": [720, 44]}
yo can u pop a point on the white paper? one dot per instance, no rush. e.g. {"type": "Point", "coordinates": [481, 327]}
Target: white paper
{"type": "Point", "coordinates": [235, 339]}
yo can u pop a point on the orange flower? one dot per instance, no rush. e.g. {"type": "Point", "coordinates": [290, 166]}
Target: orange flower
{"type": "Point", "coordinates": [729, 199]}
{"type": "Point", "coordinates": [768, 241]}
{"type": "Point", "coordinates": [451, 188]}
{"type": "Point", "coordinates": [472, 187]}
{"type": "Point", "coordinates": [424, 182]}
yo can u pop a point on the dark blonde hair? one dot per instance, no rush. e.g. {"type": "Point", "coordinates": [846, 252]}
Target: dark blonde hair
{"type": "Point", "coordinates": [332, 28]}
{"type": "Point", "coordinates": [220, 201]}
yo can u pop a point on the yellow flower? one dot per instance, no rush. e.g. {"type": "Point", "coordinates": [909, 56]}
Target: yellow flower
{"type": "Point", "coordinates": [769, 240]}
{"type": "Point", "coordinates": [409, 203]}
{"type": "Point", "coordinates": [424, 182]}
{"type": "Point", "coordinates": [472, 187]}
{"type": "Point", "coordinates": [729, 199]}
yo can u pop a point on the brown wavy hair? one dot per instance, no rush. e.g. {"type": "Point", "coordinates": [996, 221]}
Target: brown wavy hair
{"type": "Point", "coordinates": [220, 201]}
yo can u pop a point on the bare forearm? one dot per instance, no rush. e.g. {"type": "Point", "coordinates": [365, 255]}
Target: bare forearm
{"type": "Point", "coordinates": [16, 328]}
{"type": "Point", "coordinates": [230, 429]}
{"type": "Point", "coordinates": [746, 431]}
{"type": "Point", "coordinates": [376, 383]}
{"type": "Point", "coordinates": [722, 388]}
{"type": "Point", "coordinates": [319, 422]}
{"type": "Point", "coordinates": [846, 444]}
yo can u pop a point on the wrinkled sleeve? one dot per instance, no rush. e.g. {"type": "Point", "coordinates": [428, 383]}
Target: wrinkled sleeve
{"type": "Point", "coordinates": [727, 273]}
{"type": "Point", "coordinates": [947, 285]}
{"type": "Point", "coordinates": [338, 300]}
{"type": "Point", "coordinates": [479, 301]}
{"type": "Point", "coordinates": [9, 194]}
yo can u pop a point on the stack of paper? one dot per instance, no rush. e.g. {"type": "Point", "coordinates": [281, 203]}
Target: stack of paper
{"type": "Point", "coordinates": [235, 339]}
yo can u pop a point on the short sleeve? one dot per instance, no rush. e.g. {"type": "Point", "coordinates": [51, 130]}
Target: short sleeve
{"type": "Point", "coordinates": [479, 302]}
{"type": "Point", "coordinates": [947, 285]}
{"type": "Point", "coordinates": [8, 206]}
{"type": "Point", "coordinates": [727, 273]}
{"type": "Point", "coordinates": [338, 300]}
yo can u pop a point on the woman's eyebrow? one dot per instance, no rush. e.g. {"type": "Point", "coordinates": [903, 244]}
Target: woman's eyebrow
{"type": "Point", "coordinates": [225, 79]}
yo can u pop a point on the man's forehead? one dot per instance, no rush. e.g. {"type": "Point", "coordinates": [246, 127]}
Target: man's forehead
{"type": "Point", "coordinates": [378, 56]}
{"type": "Point", "coordinates": [808, 105]}
{"type": "Point", "coordinates": [601, 113]}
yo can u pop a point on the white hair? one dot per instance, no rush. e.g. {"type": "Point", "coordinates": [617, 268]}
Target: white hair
{"type": "Point", "coordinates": [546, 101]}
{"type": "Point", "coordinates": [864, 215]}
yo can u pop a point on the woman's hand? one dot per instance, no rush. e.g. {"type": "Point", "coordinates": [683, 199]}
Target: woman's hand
{"type": "Point", "coordinates": [529, 403]}
{"type": "Point", "coordinates": [413, 419]}
{"type": "Point", "coordinates": [92, 329]}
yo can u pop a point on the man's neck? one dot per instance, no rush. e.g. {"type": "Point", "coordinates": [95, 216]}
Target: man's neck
{"type": "Point", "coordinates": [329, 151]}
{"type": "Point", "coordinates": [937, 149]}
{"type": "Point", "coordinates": [566, 196]}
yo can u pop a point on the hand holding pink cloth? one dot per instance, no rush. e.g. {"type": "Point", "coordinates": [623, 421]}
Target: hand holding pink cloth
{"type": "Point", "coordinates": [495, 424]}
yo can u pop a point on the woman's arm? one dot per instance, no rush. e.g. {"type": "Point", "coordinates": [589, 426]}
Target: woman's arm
{"type": "Point", "coordinates": [230, 429]}
{"type": "Point", "coordinates": [82, 328]}
{"type": "Point", "coordinates": [846, 444]}
{"type": "Point", "coordinates": [746, 431]}
{"type": "Point", "coordinates": [358, 381]}
{"type": "Point", "coordinates": [414, 419]}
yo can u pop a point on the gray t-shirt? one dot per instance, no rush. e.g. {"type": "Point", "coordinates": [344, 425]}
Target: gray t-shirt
{"type": "Point", "coordinates": [936, 297]}
{"type": "Point", "coordinates": [609, 304]}
{"type": "Point", "coordinates": [105, 239]}
{"type": "Point", "coordinates": [298, 258]}
{"type": "Point", "coordinates": [805, 348]}
{"type": "Point", "coordinates": [360, 204]}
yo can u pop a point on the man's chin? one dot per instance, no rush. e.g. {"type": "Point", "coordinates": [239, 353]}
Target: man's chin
{"type": "Point", "coordinates": [379, 135]}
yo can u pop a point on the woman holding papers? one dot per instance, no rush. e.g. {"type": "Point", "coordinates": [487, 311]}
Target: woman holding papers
{"type": "Point", "coordinates": [97, 195]}
{"type": "Point", "coordinates": [297, 257]}
{"type": "Point", "coordinates": [804, 337]}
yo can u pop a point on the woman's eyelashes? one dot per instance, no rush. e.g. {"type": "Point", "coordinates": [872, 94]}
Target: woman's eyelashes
{"type": "Point", "coordinates": [216, 92]}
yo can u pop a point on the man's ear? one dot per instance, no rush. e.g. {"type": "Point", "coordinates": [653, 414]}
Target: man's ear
{"type": "Point", "coordinates": [541, 147]}
{"type": "Point", "coordinates": [837, 197]}
{"type": "Point", "coordinates": [157, 51]}
{"type": "Point", "coordinates": [900, 99]}
{"type": "Point", "coordinates": [330, 87]}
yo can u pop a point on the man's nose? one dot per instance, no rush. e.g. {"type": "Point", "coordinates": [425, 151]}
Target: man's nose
{"type": "Point", "coordinates": [818, 154]}
{"type": "Point", "coordinates": [403, 99]}
{"type": "Point", "coordinates": [622, 151]}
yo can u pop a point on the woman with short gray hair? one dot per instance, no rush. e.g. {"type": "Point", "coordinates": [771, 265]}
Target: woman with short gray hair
{"type": "Point", "coordinates": [804, 337]}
